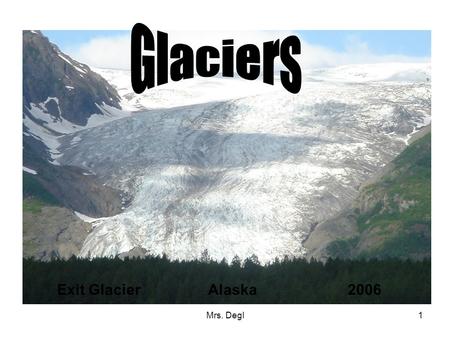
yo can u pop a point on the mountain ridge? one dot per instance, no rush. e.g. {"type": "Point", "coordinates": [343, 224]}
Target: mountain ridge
{"type": "Point", "coordinates": [69, 89]}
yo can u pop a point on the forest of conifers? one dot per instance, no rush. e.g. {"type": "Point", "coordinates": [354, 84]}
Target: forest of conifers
{"type": "Point", "coordinates": [287, 281]}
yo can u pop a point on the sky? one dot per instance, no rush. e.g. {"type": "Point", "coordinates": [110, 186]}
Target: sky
{"type": "Point", "coordinates": [111, 49]}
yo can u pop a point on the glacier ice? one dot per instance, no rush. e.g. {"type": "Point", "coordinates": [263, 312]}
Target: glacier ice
{"type": "Point", "coordinates": [245, 173]}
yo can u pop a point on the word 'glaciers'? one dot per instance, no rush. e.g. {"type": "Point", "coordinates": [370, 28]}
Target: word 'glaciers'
{"type": "Point", "coordinates": [208, 61]}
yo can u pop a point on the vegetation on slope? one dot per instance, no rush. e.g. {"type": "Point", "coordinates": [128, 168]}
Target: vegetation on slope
{"type": "Point", "coordinates": [35, 196]}
{"type": "Point", "coordinates": [393, 214]}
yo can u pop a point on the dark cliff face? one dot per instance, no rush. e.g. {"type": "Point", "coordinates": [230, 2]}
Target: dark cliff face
{"type": "Point", "coordinates": [64, 89]}
{"type": "Point", "coordinates": [47, 72]}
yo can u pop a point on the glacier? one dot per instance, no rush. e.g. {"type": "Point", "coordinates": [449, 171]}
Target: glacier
{"type": "Point", "coordinates": [241, 168]}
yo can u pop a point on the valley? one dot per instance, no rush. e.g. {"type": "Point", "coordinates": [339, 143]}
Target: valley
{"type": "Point", "coordinates": [223, 166]}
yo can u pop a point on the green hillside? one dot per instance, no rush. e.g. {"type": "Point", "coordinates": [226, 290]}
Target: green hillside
{"type": "Point", "coordinates": [35, 196]}
{"type": "Point", "coordinates": [393, 214]}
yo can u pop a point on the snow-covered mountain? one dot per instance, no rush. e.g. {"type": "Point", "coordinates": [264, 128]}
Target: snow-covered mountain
{"type": "Point", "coordinates": [60, 95]}
{"type": "Point", "coordinates": [384, 72]}
{"type": "Point", "coordinates": [242, 168]}
{"type": "Point", "coordinates": [183, 93]}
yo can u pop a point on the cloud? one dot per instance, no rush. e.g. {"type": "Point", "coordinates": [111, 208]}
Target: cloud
{"type": "Point", "coordinates": [114, 52]}
{"type": "Point", "coordinates": [103, 52]}
{"type": "Point", "coordinates": [356, 52]}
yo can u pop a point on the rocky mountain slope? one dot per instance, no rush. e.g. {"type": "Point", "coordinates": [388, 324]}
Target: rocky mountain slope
{"type": "Point", "coordinates": [59, 86]}
{"type": "Point", "coordinates": [60, 96]}
{"type": "Point", "coordinates": [49, 229]}
{"type": "Point", "coordinates": [391, 217]}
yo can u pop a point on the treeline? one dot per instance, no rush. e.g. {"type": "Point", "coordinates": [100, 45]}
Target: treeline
{"type": "Point", "coordinates": [160, 280]}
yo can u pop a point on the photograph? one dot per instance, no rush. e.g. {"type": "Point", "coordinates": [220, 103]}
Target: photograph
{"type": "Point", "coordinates": [237, 167]}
